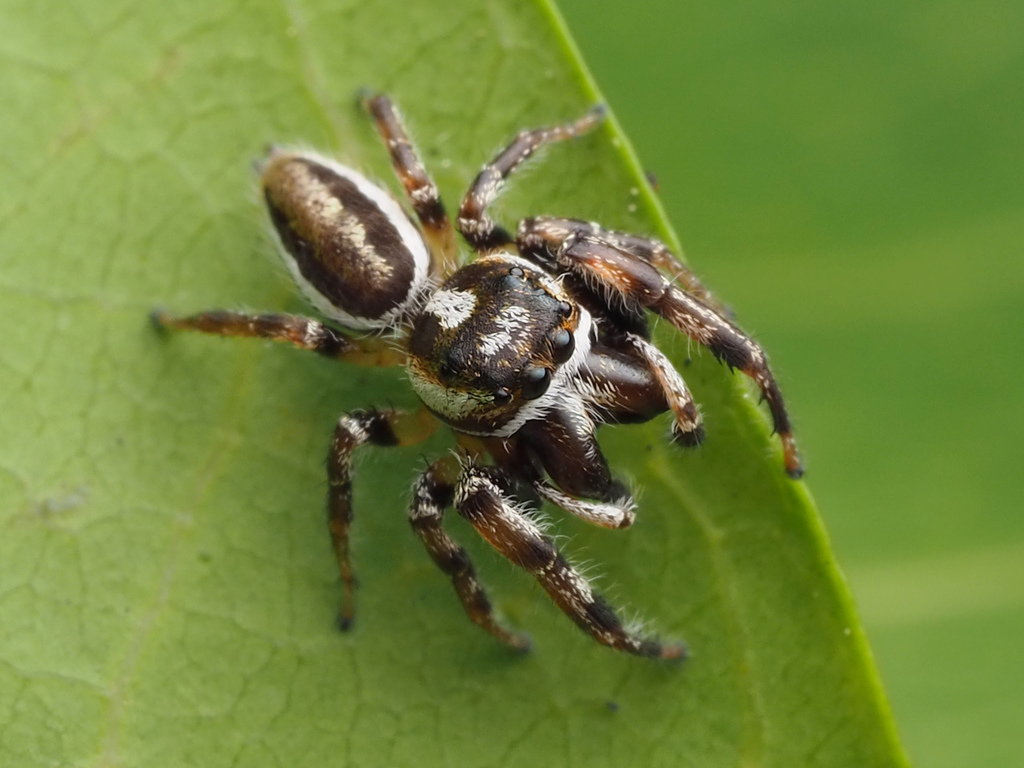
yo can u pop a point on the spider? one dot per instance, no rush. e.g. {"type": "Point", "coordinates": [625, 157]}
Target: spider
{"type": "Point", "coordinates": [522, 352]}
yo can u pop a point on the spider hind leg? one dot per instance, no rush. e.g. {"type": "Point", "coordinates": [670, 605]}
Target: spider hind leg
{"type": "Point", "coordinates": [380, 428]}
{"type": "Point", "coordinates": [420, 188]}
{"type": "Point", "coordinates": [434, 492]}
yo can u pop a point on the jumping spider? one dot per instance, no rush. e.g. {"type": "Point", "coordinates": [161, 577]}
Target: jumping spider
{"type": "Point", "coordinates": [523, 352]}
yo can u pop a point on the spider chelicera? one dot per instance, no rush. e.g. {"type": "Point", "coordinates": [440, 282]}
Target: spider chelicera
{"type": "Point", "coordinates": [523, 352]}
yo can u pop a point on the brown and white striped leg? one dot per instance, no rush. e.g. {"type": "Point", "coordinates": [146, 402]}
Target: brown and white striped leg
{"type": "Point", "coordinates": [481, 499]}
{"type": "Point", "coordinates": [432, 495]}
{"type": "Point", "coordinates": [302, 332]}
{"type": "Point", "coordinates": [687, 428]}
{"type": "Point", "coordinates": [383, 428]}
{"type": "Point", "coordinates": [565, 445]}
{"type": "Point", "coordinates": [737, 350]}
{"type": "Point", "coordinates": [473, 222]}
{"type": "Point", "coordinates": [617, 513]}
{"type": "Point", "coordinates": [551, 232]}
{"type": "Point", "coordinates": [419, 186]}
{"type": "Point", "coordinates": [626, 280]}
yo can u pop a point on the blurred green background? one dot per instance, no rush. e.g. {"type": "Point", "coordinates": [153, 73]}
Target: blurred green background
{"type": "Point", "coordinates": [869, 157]}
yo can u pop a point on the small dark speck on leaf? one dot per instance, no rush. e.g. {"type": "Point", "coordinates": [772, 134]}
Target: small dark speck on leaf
{"type": "Point", "coordinates": [613, 706]}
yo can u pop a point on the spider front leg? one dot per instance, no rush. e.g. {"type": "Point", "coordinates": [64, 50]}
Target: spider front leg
{"type": "Point", "coordinates": [737, 350]}
{"type": "Point", "coordinates": [433, 494]}
{"type": "Point", "coordinates": [625, 280]}
{"type": "Point", "coordinates": [565, 444]}
{"type": "Point", "coordinates": [382, 428]}
{"type": "Point", "coordinates": [473, 222]}
{"type": "Point", "coordinates": [636, 382]}
{"type": "Point", "coordinates": [618, 386]}
{"type": "Point", "coordinates": [557, 230]}
{"type": "Point", "coordinates": [419, 186]}
{"type": "Point", "coordinates": [482, 497]}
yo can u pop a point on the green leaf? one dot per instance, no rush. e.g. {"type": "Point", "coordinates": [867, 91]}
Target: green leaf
{"type": "Point", "coordinates": [167, 588]}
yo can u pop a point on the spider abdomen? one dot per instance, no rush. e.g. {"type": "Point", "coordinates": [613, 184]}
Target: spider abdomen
{"type": "Point", "coordinates": [347, 242]}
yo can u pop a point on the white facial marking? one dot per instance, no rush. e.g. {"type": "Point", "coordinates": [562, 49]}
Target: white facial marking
{"type": "Point", "coordinates": [452, 308]}
{"type": "Point", "coordinates": [493, 343]}
{"type": "Point", "coordinates": [512, 321]}
{"type": "Point", "coordinates": [513, 318]}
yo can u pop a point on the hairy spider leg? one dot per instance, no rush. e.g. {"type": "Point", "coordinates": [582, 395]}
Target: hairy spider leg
{"type": "Point", "coordinates": [618, 513]}
{"type": "Point", "coordinates": [625, 280]}
{"type": "Point", "coordinates": [481, 496]}
{"type": "Point", "coordinates": [565, 444]}
{"type": "Point", "coordinates": [381, 428]}
{"type": "Point", "coordinates": [433, 493]}
{"type": "Point", "coordinates": [649, 249]}
{"type": "Point", "coordinates": [419, 186]}
{"type": "Point", "coordinates": [687, 428]}
{"type": "Point", "coordinates": [302, 332]}
{"type": "Point", "coordinates": [578, 463]}
{"type": "Point", "coordinates": [473, 222]}
{"type": "Point", "coordinates": [737, 350]}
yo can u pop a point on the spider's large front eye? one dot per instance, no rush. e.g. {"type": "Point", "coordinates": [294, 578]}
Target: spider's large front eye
{"type": "Point", "coordinates": [537, 381]}
{"type": "Point", "coordinates": [562, 346]}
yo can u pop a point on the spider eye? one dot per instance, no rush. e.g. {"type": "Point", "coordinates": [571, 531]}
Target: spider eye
{"type": "Point", "coordinates": [536, 382]}
{"type": "Point", "coordinates": [564, 308]}
{"type": "Point", "coordinates": [562, 346]}
{"type": "Point", "coordinates": [502, 396]}
{"type": "Point", "coordinates": [447, 371]}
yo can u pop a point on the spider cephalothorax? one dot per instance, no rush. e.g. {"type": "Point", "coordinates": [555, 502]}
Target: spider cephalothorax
{"type": "Point", "coordinates": [523, 352]}
{"type": "Point", "coordinates": [492, 340]}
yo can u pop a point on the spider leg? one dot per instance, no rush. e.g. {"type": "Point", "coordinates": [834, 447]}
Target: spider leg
{"type": "Point", "coordinates": [481, 498]}
{"type": "Point", "coordinates": [564, 443]}
{"type": "Point", "coordinates": [647, 248]}
{"type": "Point", "coordinates": [634, 382]}
{"type": "Point", "coordinates": [615, 386]}
{"type": "Point", "coordinates": [737, 350]}
{"type": "Point", "coordinates": [625, 280]}
{"type": "Point", "coordinates": [618, 513]}
{"type": "Point", "coordinates": [432, 495]}
{"type": "Point", "coordinates": [382, 428]}
{"type": "Point", "coordinates": [302, 332]}
{"type": "Point", "coordinates": [613, 508]}
{"type": "Point", "coordinates": [687, 429]}
{"type": "Point", "coordinates": [473, 222]}
{"type": "Point", "coordinates": [419, 186]}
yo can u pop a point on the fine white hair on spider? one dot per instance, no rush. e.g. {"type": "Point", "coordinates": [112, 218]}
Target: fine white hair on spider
{"type": "Point", "coordinates": [523, 350]}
